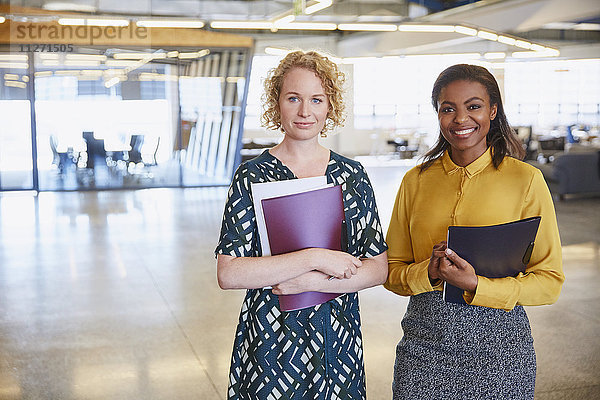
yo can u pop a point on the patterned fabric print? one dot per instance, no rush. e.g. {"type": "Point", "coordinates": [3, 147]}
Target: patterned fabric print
{"type": "Point", "coordinates": [452, 351]}
{"type": "Point", "coordinates": [314, 353]}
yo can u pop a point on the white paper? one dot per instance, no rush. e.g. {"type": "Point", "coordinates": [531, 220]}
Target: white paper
{"type": "Point", "coordinates": [267, 190]}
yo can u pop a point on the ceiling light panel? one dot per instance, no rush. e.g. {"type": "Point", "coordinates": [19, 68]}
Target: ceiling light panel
{"type": "Point", "coordinates": [86, 57]}
{"type": "Point", "coordinates": [157, 23]}
{"type": "Point", "coordinates": [93, 22]}
{"type": "Point", "coordinates": [320, 5]}
{"type": "Point", "coordinates": [465, 30]}
{"type": "Point", "coordinates": [507, 40]}
{"type": "Point", "coordinates": [426, 28]}
{"type": "Point", "coordinates": [368, 27]}
{"type": "Point", "coordinates": [241, 25]}
{"type": "Point", "coordinates": [318, 26]}
{"type": "Point", "coordinates": [14, 57]}
{"type": "Point", "coordinates": [63, 6]}
{"type": "Point", "coordinates": [487, 35]}
{"type": "Point", "coordinates": [494, 56]}
{"type": "Point", "coordinates": [523, 44]}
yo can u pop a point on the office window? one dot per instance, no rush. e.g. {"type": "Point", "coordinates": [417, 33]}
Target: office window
{"type": "Point", "coordinates": [260, 68]}
{"type": "Point", "coordinates": [93, 88]}
{"type": "Point", "coordinates": [56, 88]}
{"type": "Point", "coordinates": [200, 96]}
{"type": "Point", "coordinates": [12, 85]}
{"type": "Point", "coordinates": [395, 93]}
{"type": "Point", "coordinates": [553, 93]}
{"type": "Point", "coordinates": [152, 90]}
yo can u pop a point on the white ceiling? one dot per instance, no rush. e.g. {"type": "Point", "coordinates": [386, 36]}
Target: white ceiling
{"type": "Point", "coordinates": [530, 19]}
{"type": "Point", "coordinates": [521, 18]}
{"type": "Point", "coordinates": [220, 9]}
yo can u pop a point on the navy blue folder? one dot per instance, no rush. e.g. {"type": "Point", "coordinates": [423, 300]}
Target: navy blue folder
{"type": "Point", "coordinates": [495, 251]}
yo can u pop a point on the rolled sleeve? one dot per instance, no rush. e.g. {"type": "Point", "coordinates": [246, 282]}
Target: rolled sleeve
{"type": "Point", "coordinates": [502, 293]}
{"type": "Point", "coordinates": [542, 281]}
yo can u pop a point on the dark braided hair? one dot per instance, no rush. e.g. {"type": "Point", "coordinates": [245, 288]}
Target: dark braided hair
{"type": "Point", "coordinates": [501, 138]}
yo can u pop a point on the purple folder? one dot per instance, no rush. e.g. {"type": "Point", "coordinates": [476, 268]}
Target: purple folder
{"type": "Point", "coordinates": [302, 220]}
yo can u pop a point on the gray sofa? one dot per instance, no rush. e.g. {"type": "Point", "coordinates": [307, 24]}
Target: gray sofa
{"type": "Point", "coordinates": [574, 172]}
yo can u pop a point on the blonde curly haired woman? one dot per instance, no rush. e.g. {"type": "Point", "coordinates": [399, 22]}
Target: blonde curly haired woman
{"type": "Point", "coordinates": [316, 352]}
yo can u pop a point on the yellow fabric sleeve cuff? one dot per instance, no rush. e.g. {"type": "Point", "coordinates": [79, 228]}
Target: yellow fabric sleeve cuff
{"type": "Point", "coordinates": [418, 278]}
{"type": "Point", "coordinates": [411, 279]}
{"type": "Point", "coordinates": [501, 293]}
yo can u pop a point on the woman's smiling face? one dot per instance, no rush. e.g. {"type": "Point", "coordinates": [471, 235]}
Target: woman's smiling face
{"type": "Point", "coordinates": [465, 115]}
{"type": "Point", "coordinates": [303, 104]}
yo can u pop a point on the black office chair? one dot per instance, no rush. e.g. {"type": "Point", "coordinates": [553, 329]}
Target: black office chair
{"type": "Point", "coordinates": [95, 150]}
{"type": "Point", "coordinates": [135, 153]}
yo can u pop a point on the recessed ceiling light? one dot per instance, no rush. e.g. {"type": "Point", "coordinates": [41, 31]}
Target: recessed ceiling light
{"type": "Point", "coordinates": [587, 27]}
{"type": "Point", "coordinates": [61, 6]}
{"type": "Point", "coordinates": [93, 21]}
{"type": "Point", "coordinates": [494, 55]}
{"type": "Point", "coordinates": [523, 44]}
{"type": "Point", "coordinates": [507, 40]}
{"type": "Point", "coordinates": [14, 57]}
{"type": "Point", "coordinates": [173, 23]}
{"type": "Point", "coordinates": [426, 28]}
{"type": "Point", "coordinates": [318, 26]}
{"type": "Point", "coordinates": [241, 25]}
{"type": "Point", "coordinates": [368, 27]}
{"type": "Point", "coordinates": [487, 35]}
{"type": "Point", "coordinates": [322, 4]}
{"type": "Point", "coordinates": [465, 30]}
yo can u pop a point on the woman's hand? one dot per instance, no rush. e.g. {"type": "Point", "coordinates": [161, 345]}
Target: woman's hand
{"type": "Point", "coordinates": [309, 282]}
{"type": "Point", "coordinates": [458, 272]}
{"type": "Point", "coordinates": [335, 263]}
{"type": "Point", "coordinates": [433, 269]}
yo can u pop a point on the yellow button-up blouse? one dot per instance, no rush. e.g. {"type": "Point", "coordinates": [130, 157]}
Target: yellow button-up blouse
{"type": "Point", "coordinates": [479, 194]}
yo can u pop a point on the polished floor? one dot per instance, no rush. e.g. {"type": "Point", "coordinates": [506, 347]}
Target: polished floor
{"type": "Point", "coordinates": [112, 295]}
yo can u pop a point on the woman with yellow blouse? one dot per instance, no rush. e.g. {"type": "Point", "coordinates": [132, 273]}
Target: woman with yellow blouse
{"type": "Point", "coordinates": [472, 177]}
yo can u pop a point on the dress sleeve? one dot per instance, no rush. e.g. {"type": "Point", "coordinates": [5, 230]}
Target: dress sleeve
{"type": "Point", "coordinates": [238, 229]}
{"type": "Point", "coordinates": [541, 283]}
{"type": "Point", "coordinates": [405, 276]}
{"type": "Point", "coordinates": [372, 241]}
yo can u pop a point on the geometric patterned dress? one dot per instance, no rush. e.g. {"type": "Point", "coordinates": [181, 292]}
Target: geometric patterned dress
{"type": "Point", "coordinates": [313, 353]}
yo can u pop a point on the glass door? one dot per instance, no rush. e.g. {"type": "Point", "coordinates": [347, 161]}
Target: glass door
{"type": "Point", "coordinates": [16, 162]}
{"type": "Point", "coordinates": [106, 119]}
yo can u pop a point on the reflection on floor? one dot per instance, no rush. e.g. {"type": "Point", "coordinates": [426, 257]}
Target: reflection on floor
{"type": "Point", "coordinates": [112, 176]}
{"type": "Point", "coordinates": [112, 295]}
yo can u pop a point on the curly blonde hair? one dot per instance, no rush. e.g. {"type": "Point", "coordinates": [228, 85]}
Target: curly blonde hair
{"type": "Point", "coordinates": [331, 77]}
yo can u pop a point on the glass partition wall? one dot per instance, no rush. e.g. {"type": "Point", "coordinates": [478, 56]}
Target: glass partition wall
{"type": "Point", "coordinates": [112, 118]}
{"type": "Point", "coordinates": [211, 96]}
{"type": "Point", "coordinates": [16, 161]}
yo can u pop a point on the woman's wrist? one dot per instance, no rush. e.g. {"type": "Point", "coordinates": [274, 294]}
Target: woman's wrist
{"type": "Point", "coordinates": [311, 259]}
{"type": "Point", "coordinates": [473, 286]}
{"type": "Point", "coordinates": [434, 282]}
{"type": "Point", "coordinates": [321, 281]}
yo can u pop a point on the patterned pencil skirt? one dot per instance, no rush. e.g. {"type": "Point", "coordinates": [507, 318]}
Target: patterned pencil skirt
{"type": "Point", "coordinates": [452, 351]}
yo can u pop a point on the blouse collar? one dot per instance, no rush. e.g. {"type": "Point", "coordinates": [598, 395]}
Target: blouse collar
{"type": "Point", "coordinates": [472, 169]}
{"type": "Point", "coordinates": [266, 155]}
